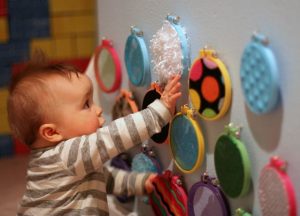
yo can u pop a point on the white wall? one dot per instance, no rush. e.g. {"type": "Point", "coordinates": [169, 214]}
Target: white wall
{"type": "Point", "coordinates": [225, 26]}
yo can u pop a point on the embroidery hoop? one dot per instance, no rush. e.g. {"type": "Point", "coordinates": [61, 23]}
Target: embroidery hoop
{"type": "Point", "coordinates": [241, 212]}
{"type": "Point", "coordinates": [209, 85]}
{"type": "Point", "coordinates": [137, 58]}
{"type": "Point", "coordinates": [151, 95]}
{"type": "Point", "coordinates": [188, 142]}
{"type": "Point", "coordinates": [216, 203]}
{"type": "Point", "coordinates": [276, 192]}
{"type": "Point", "coordinates": [232, 163]}
{"type": "Point", "coordinates": [146, 161]}
{"type": "Point", "coordinates": [124, 98]}
{"type": "Point", "coordinates": [112, 59]}
{"type": "Point", "coordinates": [186, 61]}
{"type": "Point", "coordinates": [259, 75]}
{"type": "Point", "coordinates": [166, 65]}
{"type": "Point", "coordinates": [169, 196]}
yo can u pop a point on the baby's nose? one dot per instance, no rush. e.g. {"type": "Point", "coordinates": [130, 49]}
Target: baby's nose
{"type": "Point", "coordinates": [98, 111]}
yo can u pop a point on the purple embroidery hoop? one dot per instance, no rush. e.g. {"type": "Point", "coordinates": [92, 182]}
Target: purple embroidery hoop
{"type": "Point", "coordinates": [208, 183]}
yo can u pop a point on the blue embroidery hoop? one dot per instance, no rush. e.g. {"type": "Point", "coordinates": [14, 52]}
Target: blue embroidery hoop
{"type": "Point", "coordinates": [186, 61]}
{"type": "Point", "coordinates": [259, 75]}
{"type": "Point", "coordinates": [137, 58]}
{"type": "Point", "coordinates": [186, 140]}
{"type": "Point", "coordinates": [146, 161]}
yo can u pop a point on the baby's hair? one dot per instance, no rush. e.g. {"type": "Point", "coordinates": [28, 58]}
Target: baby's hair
{"type": "Point", "coordinates": [30, 97]}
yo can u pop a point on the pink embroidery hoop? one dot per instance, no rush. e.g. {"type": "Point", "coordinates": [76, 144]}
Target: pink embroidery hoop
{"type": "Point", "coordinates": [276, 193]}
{"type": "Point", "coordinates": [108, 46]}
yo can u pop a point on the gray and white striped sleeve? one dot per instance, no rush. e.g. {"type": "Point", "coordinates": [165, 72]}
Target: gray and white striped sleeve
{"type": "Point", "coordinates": [88, 153]}
{"type": "Point", "coordinates": [121, 182]}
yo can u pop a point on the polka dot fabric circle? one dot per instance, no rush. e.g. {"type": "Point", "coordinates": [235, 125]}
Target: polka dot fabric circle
{"type": "Point", "coordinates": [137, 60]}
{"type": "Point", "coordinates": [208, 90]}
{"type": "Point", "coordinates": [185, 144]}
{"type": "Point", "coordinates": [232, 166]}
{"type": "Point", "coordinates": [259, 78]}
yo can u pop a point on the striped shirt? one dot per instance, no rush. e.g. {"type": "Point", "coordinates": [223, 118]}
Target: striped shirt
{"type": "Point", "coordinates": [69, 178]}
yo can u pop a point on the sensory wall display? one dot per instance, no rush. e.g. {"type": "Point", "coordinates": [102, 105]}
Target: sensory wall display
{"type": "Point", "coordinates": [210, 93]}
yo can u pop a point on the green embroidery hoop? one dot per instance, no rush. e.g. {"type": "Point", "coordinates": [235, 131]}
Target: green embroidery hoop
{"type": "Point", "coordinates": [232, 163]}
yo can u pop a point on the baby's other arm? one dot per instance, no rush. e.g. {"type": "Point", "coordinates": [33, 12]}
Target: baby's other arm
{"type": "Point", "coordinates": [121, 182]}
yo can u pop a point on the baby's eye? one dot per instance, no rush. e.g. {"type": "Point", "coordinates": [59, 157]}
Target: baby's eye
{"type": "Point", "coordinates": [86, 105]}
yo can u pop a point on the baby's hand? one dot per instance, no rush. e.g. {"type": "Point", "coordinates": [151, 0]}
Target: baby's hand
{"type": "Point", "coordinates": [148, 184]}
{"type": "Point", "coordinates": [171, 93]}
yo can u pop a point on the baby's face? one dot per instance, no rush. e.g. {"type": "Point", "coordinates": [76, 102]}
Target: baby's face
{"type": "Point", "coordinates": [75, 112]}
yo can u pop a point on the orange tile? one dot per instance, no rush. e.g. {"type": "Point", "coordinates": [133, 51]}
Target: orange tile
{"type": "Point", "coordinates": [44, 44]}
{"type": "Point", "coordinates": [4, 33]}
{"type": "Point", "coordinates": [70, 25]}
{"type": "Point", "coordinates": [4, 126]}
{"type": "Point", "coordinates": [64, 48]}
{"type": "Point", "coordinates": [85, 45]}
{"type": "Point", "coordinates": [71, 6]}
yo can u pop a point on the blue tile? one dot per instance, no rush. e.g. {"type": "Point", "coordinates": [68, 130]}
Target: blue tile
{"type": "Point", "coordinates": [28, 8]}
{"type": "Point", "coordinates": [6, 146]}
{"type": "Point", "coordinates": [29, 28]}
{"type": "Point", "coordinates": [5, 75]}
{"type": "Point", "coordinates": [14, 51]}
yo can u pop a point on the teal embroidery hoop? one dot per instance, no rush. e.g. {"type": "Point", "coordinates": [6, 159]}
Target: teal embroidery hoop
{"type": "Point", "coordinates": [232, 163]}
{"type": "Point", "coordinates": [186, 61]}
{"type": "Point", "coordinates": [186, 140]}
{"type": "Point", "coordinates": [137, 58]}
{"type": "Point", "coordinates": [259, 75]}
{"type": "Point", "coordinates": [170, 51]}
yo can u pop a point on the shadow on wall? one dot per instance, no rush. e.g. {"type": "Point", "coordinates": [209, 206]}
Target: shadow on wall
{"type": "Point", "coordinates": [266, 129]}
{"type": "Point", "coordinates": [213, 129]}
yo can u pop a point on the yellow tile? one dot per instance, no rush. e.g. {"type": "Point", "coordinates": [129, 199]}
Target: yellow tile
{"type": "Point", "coordinates": [71, 6]}
{"type": "Point", "coordinates": [64, 48]}
{"type": "Point", "coordinates": [4, 126]}
{"type": "Point", "coordinates": [85, 45]}
{"type": "Point", "coordinates": [44, 44]}
{"type": "Point", "coordinates": [4, 34]}
{"type": "Point", "coordinates": [70, 25]}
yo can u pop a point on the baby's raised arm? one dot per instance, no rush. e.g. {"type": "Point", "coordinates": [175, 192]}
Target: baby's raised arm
{"type": "Point", "coordinates": [171, 93]}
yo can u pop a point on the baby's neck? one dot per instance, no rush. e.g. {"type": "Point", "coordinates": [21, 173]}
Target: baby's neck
{"type": "Point", "coordinates": [42, 143]}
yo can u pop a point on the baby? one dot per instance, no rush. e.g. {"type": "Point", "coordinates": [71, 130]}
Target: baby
{"type": "Point", "coordinates": [51, 109]}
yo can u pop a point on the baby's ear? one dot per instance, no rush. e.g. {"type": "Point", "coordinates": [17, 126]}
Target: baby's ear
{"type": "Point", "coordinates": [49, 132]}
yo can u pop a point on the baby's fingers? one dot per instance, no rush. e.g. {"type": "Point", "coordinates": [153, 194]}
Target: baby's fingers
{"type": "Point", "coordinates": [175, 96]}
{"type": "Point", "coordinates": [173, 82]}
{"type": "Point", "coordinates": [175, 88]}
